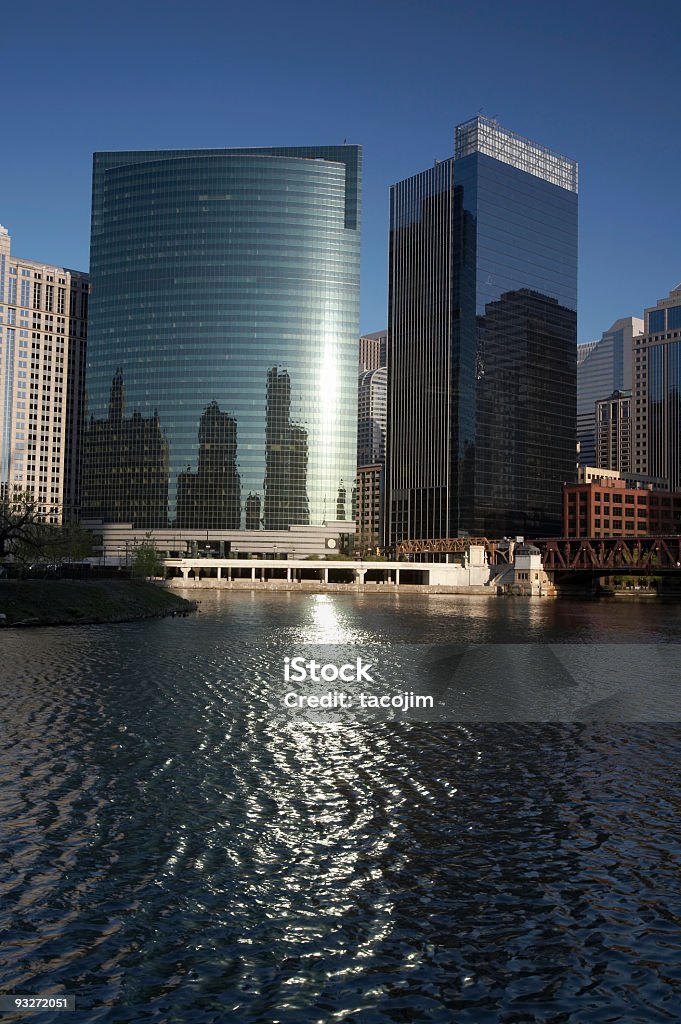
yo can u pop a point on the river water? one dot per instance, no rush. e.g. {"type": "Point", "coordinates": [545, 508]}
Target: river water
{"type": "Point", "coordinates": [172, 850]}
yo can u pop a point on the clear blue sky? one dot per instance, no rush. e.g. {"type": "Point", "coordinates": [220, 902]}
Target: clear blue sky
{"type": "Point", "coordinates": [599, 81]}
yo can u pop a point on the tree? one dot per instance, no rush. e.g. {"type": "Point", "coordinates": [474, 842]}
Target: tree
{"type": "Point", "coordinates": [146, 561]}
{"type": "Point", "coordinates": [24, 534]}
{"type": "Point", "coordinates": [69, 542]}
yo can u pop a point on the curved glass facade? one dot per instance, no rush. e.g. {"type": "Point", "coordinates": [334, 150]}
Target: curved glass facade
{"type": "Point", "coordinates": [222, 352]}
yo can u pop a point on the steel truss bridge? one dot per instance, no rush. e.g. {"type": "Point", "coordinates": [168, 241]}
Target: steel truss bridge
{"type": "Point", "coordinates": [642, 556]}
{"type": "Point", "coordinates": [598, 556]}
{"type": "Point", "coordinates": [454, 546]}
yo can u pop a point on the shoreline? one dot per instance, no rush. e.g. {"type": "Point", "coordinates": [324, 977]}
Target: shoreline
{"type": "Point", "coordinates": [211, 585]}
{"type": "Point", "coordinates": [35, 603]}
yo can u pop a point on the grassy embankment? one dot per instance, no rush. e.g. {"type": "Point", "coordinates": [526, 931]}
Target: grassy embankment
{"type": "Point", "coordinates": [71, 602]}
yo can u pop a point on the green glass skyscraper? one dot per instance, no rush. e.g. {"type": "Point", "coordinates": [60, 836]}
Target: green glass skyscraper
{"type": "Point", "coordinates": [222, 353]}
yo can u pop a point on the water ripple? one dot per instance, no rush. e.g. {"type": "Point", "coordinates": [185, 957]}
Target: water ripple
{"type": "Point", "coordinates": [172, 852]}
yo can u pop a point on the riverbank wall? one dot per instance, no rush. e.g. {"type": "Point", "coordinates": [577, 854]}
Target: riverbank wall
{"type": "Point", "coordinates": [319, 587]}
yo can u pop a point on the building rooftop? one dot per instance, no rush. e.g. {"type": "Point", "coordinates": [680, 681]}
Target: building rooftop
{"type": "Point", "coordinates": [485, 135]}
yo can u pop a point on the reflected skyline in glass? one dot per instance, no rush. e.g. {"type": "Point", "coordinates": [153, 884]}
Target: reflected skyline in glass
{"type": "Point", "coordinates": [211, 271]}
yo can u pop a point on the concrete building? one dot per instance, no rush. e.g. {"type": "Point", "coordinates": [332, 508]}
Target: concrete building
{"type": "Point", "coordinates": [657, 392]}
{"type": "Point", "coordinates": [43, 338]}
{"type": "Point", "coordinates": [603, 366]}
{"type": "Point", "coordinates": [373, 350]}
{"type": "Point", "coordinates": [482, 342]}
{"type": "Point", "coordinates": [614, 434]}
{"type": "Point", "coordinates": [471, 573]}
{"type": "Point", "coordinates": [115, 542]}
{"type": "Point", "coordinates": [585, 474]}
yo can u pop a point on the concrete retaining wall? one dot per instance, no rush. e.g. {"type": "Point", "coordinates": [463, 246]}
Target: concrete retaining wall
{"type": "Point", "coordinates": [317, 587]}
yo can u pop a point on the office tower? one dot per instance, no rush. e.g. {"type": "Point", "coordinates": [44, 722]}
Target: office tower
{"type": "Point", "coordinates": [372, 411]}
{"type": "Point", "coordinates": [482, 340]}
{"type": "Point", "coordinates": [614, 437]}
{"type": "Point", "coordinates": [369, 508]}
{"type": "Point", "coordinates": [372, 397]}
{"type": "Point", "coordinates": [225, 298]}
{"type": "Point", "coordinates": [373, 350]}
{"type": "Point", "coordinates": [603, 366]}
{"type": "Point", "coordinates": [42, 367]}
{"type": "Point", "coordinates": [657, 392]}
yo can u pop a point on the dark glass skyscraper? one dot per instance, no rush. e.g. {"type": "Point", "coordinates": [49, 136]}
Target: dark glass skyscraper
{"type": "Point", "coordinates": [482, 340]}
{"type": "Point", "coordinates": [222, 361]}
{"type": "Point", "coordinates": [657, 392]}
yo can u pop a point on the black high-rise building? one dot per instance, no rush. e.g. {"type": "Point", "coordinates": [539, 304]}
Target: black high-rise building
{"type": "Point", "coordinates": [525, 448]}
{"type": "Point", "coordinates": [482, 337]}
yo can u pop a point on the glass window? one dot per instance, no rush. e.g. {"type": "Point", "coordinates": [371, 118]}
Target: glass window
{"type": "Point", "coordinates": [673, 317]}
{"type": "Point", "coordinates": [656, 321]}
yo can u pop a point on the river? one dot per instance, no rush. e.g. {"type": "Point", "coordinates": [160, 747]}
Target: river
{"type": "Point", "coordinates": [176, 848]}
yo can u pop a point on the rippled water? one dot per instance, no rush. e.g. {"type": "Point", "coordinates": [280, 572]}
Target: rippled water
{"type": "Point", "coordinates": [173, 852]}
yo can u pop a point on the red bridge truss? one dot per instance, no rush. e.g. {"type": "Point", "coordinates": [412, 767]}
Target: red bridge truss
{"type": "Point", "coordinates": [453, 546]}
{"type": "Point", "coordinates": [648, 555]}
{"type": "Point", "coordinates": [641, 554]}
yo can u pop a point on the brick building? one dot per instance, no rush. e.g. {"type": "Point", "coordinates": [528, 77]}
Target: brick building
{"type": "Point", "coordinates": [608, 507]}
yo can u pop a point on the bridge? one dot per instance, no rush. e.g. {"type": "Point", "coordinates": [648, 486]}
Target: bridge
{"type": "Point", "coordinates": [497, 551]}
{"type": "Point", "coordinates": [602, 556]}
{"type": "Point", "coordinates": [597, 556]}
